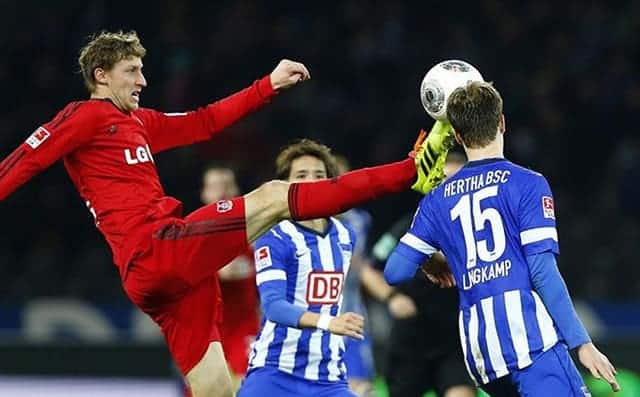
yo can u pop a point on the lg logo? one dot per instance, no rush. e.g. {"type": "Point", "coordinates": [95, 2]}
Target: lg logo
{"type": "Point", "coordinates": [141, 154]}
{"type": "Point", "coordinates": [324, 288]}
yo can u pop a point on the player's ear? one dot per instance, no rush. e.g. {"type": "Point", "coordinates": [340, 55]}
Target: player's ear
{"type": "Point", "coordinates": [458, 137]}
{"type": "Point", "coordinates": [100, 75]}
{"type": "Point", "coordinates": [502, 124]}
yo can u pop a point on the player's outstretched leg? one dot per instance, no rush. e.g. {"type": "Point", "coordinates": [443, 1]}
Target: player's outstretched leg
{"type": "Point", "coordinates": [210, 377]}
{"type": "Point", "coordinates": [277, 200]}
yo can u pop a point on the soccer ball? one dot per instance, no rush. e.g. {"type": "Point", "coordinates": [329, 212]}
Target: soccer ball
{"type": "Point", "coordinates": [440, 81]}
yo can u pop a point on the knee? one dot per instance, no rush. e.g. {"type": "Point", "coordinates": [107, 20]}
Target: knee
{"type": "Point", "coordinates": [212, 386]}
{"type": "Point", "coordinates": [274, 197]}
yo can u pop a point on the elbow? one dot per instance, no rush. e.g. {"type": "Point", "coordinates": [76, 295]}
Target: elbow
{"type": "Point", "coordinates": [399, 269]}
{"type": "Point", "coordinates": [393, 277]}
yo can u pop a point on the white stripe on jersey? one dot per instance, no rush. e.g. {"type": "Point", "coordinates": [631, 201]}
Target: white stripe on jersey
{"type": "Point", "coordinates": [549, 335]}
{"type": "Point", "coordinates": [260, 347]}
{"type": "Point", "coordinates": [290, 344]}
{"type": "Point", "coordinates": [538, 234]}
{"type": "Point", "coordinates": [515, 318]}
{"type": "Point", "coordinates": [270, 275]}
{"type": "Point", "coordinates": [463, 342]}
{"type": "Point", "coordinates": [474, 343]}
{"type": "Point", "coordinates": [417, 244]}
{"type": "Point", "coordinates": [326, 258]}
{"type": "Point", "coordinates": [493, 341]}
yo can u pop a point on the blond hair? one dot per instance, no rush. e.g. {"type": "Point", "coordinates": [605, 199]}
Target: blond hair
{"type": "Point", "coordinates": [104, 50]}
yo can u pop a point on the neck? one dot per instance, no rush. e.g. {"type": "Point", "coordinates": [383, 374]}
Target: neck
{"type": "Point", "coordinates": [318, 225]}
{"type": "Point", "coordinates": [492, 150]}
{"type": "Point", "coordinates": [104, 93]}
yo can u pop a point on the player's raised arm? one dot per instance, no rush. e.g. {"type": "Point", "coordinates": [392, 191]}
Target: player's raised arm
{"type": "Point", "coordinates": [169, 130]}
{"type": "Point", "coordinates": [48, 143]}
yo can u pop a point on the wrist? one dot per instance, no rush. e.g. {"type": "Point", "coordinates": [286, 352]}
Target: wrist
{"type": "Point", "coordinates": [323, 322]}
{"type": "Point", "coordinates": [393, 293]}
{"type": "Point", "coordinates": [266, 88]}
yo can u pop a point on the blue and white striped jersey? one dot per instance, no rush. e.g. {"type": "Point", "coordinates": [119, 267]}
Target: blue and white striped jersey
{"type": "Point", "coordinates": [310, 269]}
{"type": "Point", "coordinates": [486, 219]}
{"type": "Point", "coordinates": [360, 222]}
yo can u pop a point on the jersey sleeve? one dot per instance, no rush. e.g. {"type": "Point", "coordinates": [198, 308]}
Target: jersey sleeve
{"type": "Point", "coordinates": [70, 128]}
{"type": "Point", "coordinates": [170, 130]}
{"type": "Point", "coordinates": [417, 243]}
{"type": "Point", "coordinates": [271, 257]}
{"type": "Point", "coordinates": [536, 217]}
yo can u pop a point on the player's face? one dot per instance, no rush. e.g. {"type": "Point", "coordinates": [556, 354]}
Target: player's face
{"type": "Point", "coordinates": [125, 82]}
{"type": "Point", "coordinates": [217, 185]}
{"type": "Point", "coordinates": [306, 169]}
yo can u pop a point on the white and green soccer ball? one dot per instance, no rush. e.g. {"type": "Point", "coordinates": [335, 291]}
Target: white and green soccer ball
{"type": "Point", "coordinates": [440, 81]}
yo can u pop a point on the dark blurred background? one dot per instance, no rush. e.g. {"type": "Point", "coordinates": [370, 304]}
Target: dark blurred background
{"type": "Point", "coordinates": [567, 70]}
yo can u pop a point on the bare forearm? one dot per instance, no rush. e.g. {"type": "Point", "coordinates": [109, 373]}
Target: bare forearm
{"type": "Point", "coordinates": [374, 283]}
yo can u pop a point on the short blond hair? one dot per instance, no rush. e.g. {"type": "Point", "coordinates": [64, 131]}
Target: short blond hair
{"type": "Point", "coordinates": [104, 50]}
{"type": "Point", "coordinates": [474, 112]}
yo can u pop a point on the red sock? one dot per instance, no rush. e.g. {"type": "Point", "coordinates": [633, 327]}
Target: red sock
{"type": "Point", "coordinates": [324, 198]}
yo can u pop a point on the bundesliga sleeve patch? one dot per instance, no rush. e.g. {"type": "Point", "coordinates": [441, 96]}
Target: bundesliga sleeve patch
{"type": "Point", "coordinates": [262, 258]}
{"type": "Point", "coordinates": [547, 207]}
{"type": "Point", "coordinates": [37, 137]}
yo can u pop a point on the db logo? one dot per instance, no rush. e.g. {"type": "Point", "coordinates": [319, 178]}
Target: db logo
{"type": "Point", "coordinates": [324, 287]}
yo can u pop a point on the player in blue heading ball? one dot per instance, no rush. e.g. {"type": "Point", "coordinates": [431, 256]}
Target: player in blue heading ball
{"type": "Point", "coordinates": [495, 223]}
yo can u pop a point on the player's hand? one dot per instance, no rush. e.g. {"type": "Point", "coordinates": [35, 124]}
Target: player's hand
{"type": "Point", "coordinates": [598, 364]}
{"type": "Point", "coordinates": [348, 324]}
{"type": "Point", "coordinates": [438, 272]}
{"type": "Point", "coordinates": [288, 73]}
{"type": "Point", "coordinates": [401, 306]}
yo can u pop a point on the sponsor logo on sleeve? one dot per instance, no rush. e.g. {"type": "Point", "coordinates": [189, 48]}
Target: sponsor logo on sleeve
{"type": "Point", "coordinates": [547, 207]}
{"type": "Point", "coordinates": [37, 137]}
{"type": "Point", "coordinates": [224, 206]}
{"type": "Point", "coordinates": [262, 258]}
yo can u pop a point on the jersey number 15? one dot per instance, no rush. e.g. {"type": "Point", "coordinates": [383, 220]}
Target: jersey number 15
{"type": "Point", "coordinates": [473, 217]}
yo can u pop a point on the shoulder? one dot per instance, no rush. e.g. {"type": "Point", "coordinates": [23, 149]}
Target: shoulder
{"type": "Point", "coordinates": [275, 236]}
{"type": "Point", "coordinates": [523, 171]}
{"type": "Point", "coordinates": [342, 226]}
{"type": "Point", "coordinates": [80, 111]}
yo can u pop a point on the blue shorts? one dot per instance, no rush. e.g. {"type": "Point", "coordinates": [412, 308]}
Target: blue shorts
{"type": "Point", "coordinates": [271, 382]}
{"type": "Point", "coordinates": [553, 373]}
{"type": "Point", "coordinates": [358, 358]}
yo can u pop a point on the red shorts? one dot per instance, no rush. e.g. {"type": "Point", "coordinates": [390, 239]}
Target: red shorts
{"type": "Point", "coordinates": [174, 278]}
{"type": "Point", "coordinates": [236, 342]}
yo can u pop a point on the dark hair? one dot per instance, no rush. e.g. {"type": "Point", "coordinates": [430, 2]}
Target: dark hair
{"type": "Point", "coordinates": [104, 50]}
{"type": "Point", "coordinates": [474, 112]}
{"type": "Point", "coordinates": [304, 147]}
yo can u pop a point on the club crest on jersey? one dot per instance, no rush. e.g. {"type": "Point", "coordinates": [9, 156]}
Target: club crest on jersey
{"type": "Point", "coordinates": [37, 137]}
{"type": "Point", "coordinates": [547, 207]}
{"type": "Point", "coordinates": [262, 258]}
{"type": "Point", "coordinates": [324, 288]}
{"type": "Point", "coordinates": [224, 206]}
{"type": "Point", "coordinates": [141, 154]}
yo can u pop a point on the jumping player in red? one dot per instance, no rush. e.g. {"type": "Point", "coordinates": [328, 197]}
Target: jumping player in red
{"type": "Point", "coordinates": [168, 261]}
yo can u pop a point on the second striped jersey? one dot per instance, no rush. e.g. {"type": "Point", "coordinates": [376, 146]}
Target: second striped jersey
{"type": "Point", "coordinates": [309, 269]}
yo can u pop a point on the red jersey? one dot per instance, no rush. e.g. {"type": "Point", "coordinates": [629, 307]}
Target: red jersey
{"type": "Point", "coordinates": [108, 154]}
